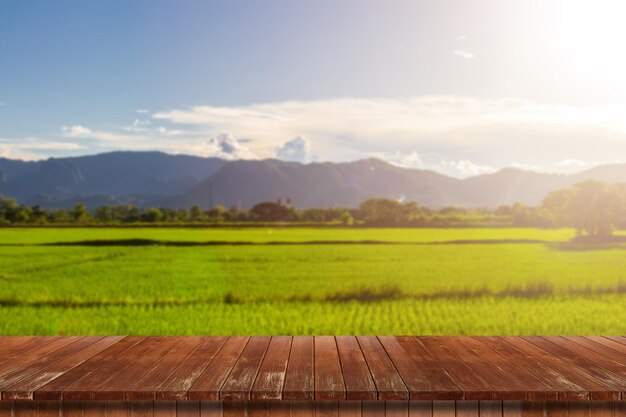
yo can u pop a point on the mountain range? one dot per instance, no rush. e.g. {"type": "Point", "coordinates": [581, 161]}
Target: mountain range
{"type": "Point", "coordinates": [150, 179]}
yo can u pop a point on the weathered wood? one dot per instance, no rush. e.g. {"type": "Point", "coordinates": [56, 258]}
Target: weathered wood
{"type": "Point", "coordinates": [271, 376]}
{"type": "Point", "coordinates": [422, 374]}
{"type": "Point", "coordinates": [299, 379]}
{"type": "Point", "coordinates": [387, 379]}
{"type": "Point", "coordinates": [239, 383]}
{"type": "Point", "coordinates": [180, 382]}
{"type": "Point", "coordinates": [329, 384]}
{"type": "Point", "coordinates": [356, 374]}
{"type": "Point", "coordinates": [323, 368]}
{"type": "Point", "coordinates": [207, 386]}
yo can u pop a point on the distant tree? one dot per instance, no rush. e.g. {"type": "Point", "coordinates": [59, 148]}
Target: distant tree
{"type": "Point", "coordinates": [104, 214]}
{"type": "Point", "coordinates": [152, 215]}
{"type": "Point", "coordinates": [346, 218]}
{"type": "Point", "coordinates": [383, 212]}
{"type": "Point", "coordinates": [195, 213]}
{"type": "Point", "coordinates": [270, 212]}
{"type": "Point", "coordinates": [38, 215]}
{"type": "Point", "coordinates": [592, 207]}
{"type": "Point", "coordinates": [80, 214]}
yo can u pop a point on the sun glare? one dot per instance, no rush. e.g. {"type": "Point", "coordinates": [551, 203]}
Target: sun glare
{"type": "Point", "coordinates": [590, 37]}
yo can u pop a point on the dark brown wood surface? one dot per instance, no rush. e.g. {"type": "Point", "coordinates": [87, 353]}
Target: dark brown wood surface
{"type": "Point", "coordinates": [95, 369]}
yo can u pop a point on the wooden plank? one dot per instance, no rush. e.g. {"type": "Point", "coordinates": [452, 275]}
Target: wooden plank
{"type": "Point", "coordinates": [271, 376]}
{"type": "Point", "coordinates": [140, 408]}
{"type": "Point", "coordinates": [84, 388]}
{"type": "Point", "coordinates": [48, 409]}
{"type": "Point", "coordinates": [556, 409]}
{"type": "Point", "coordinates": [161, 408]}
{"type": "Point", "coordinates": [372, 408]}
{"type": "Point", "coordinates": [241, 379]}
{"type": "Point", "coordinates": [329, 384]}
{"type": "Point", "coordinates": [420, 408]}
{"type": "Point", "coordinates": [187, 408]}
{"type": "Point", "coordinates": [302, 408]}
{"type": "Point", "coordinates": [504, 386]}
{"type": "Point", "coordinates": [597, 389]}
{"type": "Point", "coordinates": [118, 384]}
{"type": "Point", "coordinates": [54, 389]}
{"type": "Point", "coordinates": [467, 409]}
{"type": "Point", "coordinates": [350, 409]}
{"type": "Point", "coordinates": [43, 352]}
{"type": "Point", "coordinates": [605, 341]}
{"type": "Point", "coordinates": [396, 408]}
{"type": "Point", "coordinates": [356, 374]}
{"type": "Point", "coordinates": [207, 386]}
{"type": "Point", "coordinates": [444, 409]}
{"type": "Point", "coordinates": [600, 345]}
{"type": "Point", "coordinates": [47, 371]}
{"type": "Point", "coordinates": [95, 409]}
{"type": "Point", "coordinates": [299, 379]}
{"type": "Point", "coordinates": [235, 409]}
{"type": "Point", "coordinates": [589, 354]}
{"type": "Point", "coordinates": [326, 408]}
{"type": "Point", "coordinates": [534, 409]}
{"type": "Point", "coordinates": [211, 409]}
{"type": "Point", "coordinates": [566, 389]}
{"type": "Point", "coordinates": [10, 343]}
{"type": "Point", "coordinates": [7, 408]}
{"type": "Point", "coordinates": [602, 408]}
{"type": "Point", "coordinates": [280, 408]}
{"type": "Point", "coordinates": [24, 408]}
{"type": "Point", "coordinates": [144, 388]}
{"type": "Point", "coordinates": [259, 408]}
{"type": "Point", "coordinates": [36, 365]}
{"type": "Point", "coordinates": [423, 375]}
{"type": "Point", "coordinates": [181, 381]}
{"type": "Point", "coordinates": [618, 339]}
{"type": "Point", "coordinates": [490, 408]}
{"type": "Point", "coordinates": [473, 386]}
{"type": "Point", "coordinates": [122, 409]}
{"type": "Point", "coordinates": [584, 363]}
{"type": "Point", "coordinates": [24, 346]}
{"type": "Point", "coordinates": [620, 408]}
{"type": "Point", "coordinates": [387, 379]}
{"type": "Point", "coordinates": [578, 409]}
{"type": "Point", "coordinates": [534, 389]}
{"type": "Point", "coordinates": [75, 409]}
{"type": "Point", "coordinates": [512, 408]}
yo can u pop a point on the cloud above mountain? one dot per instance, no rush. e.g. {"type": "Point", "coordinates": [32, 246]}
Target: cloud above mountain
{"type": "Point", "coordinates": [460, 136]}
{"type": "Point", "coordinates": [295, 150]}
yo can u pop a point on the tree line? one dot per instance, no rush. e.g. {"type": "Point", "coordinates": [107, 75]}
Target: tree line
{"type": "Point", "coordinates": [594, 208]}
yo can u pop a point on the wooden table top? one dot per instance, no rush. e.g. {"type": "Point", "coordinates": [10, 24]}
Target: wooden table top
{"type": "Point", "coordinates": [312, 368]}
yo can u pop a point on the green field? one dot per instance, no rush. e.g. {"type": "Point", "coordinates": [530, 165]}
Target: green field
{"type": "Point", "coordinates": [308, 281]}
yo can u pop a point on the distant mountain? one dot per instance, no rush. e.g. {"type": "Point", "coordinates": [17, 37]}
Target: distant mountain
{"type": "Point", "coordinates": [157, 179]}
{"type": "Point", "coordinates": [55, 180]}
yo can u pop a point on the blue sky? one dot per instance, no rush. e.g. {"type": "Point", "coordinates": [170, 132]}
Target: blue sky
{"type": "Point", "coordinates": [462, 87]}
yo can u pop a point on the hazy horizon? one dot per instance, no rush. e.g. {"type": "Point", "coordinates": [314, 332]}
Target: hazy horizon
{"type": "Point", "coordinates": [458, 89]}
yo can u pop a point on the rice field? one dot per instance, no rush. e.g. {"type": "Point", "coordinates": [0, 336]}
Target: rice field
{"type": "Point", "coordinates": [308, 281]}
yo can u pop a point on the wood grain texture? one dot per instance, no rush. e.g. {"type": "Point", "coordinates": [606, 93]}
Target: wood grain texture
{"type": "Point", "coordinates": [306, 368]}
{"type": "Point", "coordinates": [329, 384]}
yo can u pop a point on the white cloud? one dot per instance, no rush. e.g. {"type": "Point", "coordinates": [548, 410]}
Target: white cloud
{"type": "Point", "coordinates": [224, 146]}
{"type": "Point", "coordinates": [142, 111]}
{"type": "Point", "coordinates": [462, 53]}
{"type": "Point", "coordinates": [34, 148]}
{"type": "Point", "coordinates": [576, 163]}
{"type": "Point", "coordinates": [464, 168]}
{"type": "Point", "coordinates": [82, 132]}
{"type": "Point", "coordinates": [296, 150]}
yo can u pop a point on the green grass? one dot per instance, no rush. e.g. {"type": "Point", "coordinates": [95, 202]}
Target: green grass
{"type": "Point", "coordinates": [410, 287]}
